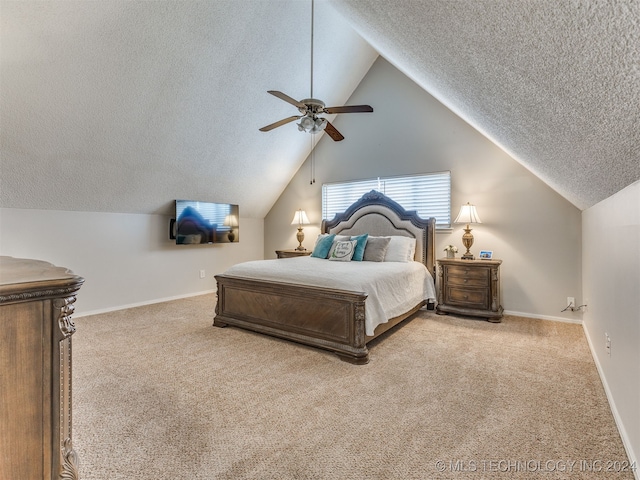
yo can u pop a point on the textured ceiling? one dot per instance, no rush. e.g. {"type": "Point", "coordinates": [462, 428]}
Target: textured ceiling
{"type": "Point", "coordinates": [122, 106]}
{"type": "Point", "coordinates": [555, 83]}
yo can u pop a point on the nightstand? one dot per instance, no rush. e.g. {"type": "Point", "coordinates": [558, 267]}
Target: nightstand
{"type": "Point", "coordinates": [470, 287]}
{"type": "Point", "coordinates": [292, 253]}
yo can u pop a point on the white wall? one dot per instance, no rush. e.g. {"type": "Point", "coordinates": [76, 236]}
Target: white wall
{"type": "Point", "coordinates": [529, 226]}
{"type": "Point", "coordinates": [611, 284]}
{"type": "Point", "coordinates": [126, 259]}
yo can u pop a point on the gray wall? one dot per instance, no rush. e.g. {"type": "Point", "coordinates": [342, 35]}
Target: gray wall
{"type": "Point", "coordinates": [535, 231]}
{"type": "Point", "coordinates": [126, 259]}
{"type": "Point", "coordinates": [611, 283]}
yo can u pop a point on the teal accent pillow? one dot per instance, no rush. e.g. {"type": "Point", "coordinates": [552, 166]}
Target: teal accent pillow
{"type": "Point", "coordinates": [358, 255]}
{"type": "Point", "coordinates": [323, 245]}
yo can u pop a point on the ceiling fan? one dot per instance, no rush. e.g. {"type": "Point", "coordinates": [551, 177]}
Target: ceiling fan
{"type": "Point", "coordinates": [311, 108]}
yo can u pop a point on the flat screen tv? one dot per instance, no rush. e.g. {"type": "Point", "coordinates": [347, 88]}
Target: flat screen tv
{"type": "Point", "coordinates": [205, 223]}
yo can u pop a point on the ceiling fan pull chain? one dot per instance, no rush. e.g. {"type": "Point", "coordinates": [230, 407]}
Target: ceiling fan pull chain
{"type": "Point", "coordinates": [312, 167]}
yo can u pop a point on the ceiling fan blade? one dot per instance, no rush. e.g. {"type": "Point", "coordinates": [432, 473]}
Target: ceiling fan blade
{"type": "Point", "coordinates": [333, 133]}
{"type": "Point", "coordinates": [349, 109]}
{"type": "Point", "coordinates": [286, 98]}
{"type": "Point", "coordinates": [279, 123]}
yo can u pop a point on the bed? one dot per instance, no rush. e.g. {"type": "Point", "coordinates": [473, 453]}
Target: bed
{"type": "Point", "coordinates": [328, 313]}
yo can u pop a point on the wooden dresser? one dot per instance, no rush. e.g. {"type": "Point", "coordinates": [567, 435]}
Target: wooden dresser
{"type": "Point", "coordinates": [470, 287]}
{"type": "Point", "coordinates": [36, 303]}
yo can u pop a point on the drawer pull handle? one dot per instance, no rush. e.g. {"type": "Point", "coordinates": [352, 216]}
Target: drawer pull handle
{"type": "Point", "coordinates": [466, 297]}
{"type": "Point", "coordinates": [465, 280]}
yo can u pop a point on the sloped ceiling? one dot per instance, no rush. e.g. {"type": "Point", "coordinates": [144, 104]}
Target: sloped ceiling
{"type": "Point", "coordinates": [555, 83]}
{"type": "Point", "coordinates": [123, 106]}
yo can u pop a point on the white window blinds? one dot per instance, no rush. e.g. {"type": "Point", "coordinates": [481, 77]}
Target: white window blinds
{"type": "Point", "coordinates": [428, 194]}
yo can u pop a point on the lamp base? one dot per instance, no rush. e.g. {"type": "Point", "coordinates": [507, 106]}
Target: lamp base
{"type": "Point", "coordinates": [467, 241]}
{"type": "Point", "coordinates": [300, 237]}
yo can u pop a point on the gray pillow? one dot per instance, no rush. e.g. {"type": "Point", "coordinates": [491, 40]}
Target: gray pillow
{"type": "Point", "coordinates": [376, 248]}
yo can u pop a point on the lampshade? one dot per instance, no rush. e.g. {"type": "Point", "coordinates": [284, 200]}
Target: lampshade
{"type": "Point", "coordinates": [318, 125]}
{"type": "Point", "coordinates": [300, 218]}
{"type": "Point", "coordinates": [230, 221]}
{"type": "Point", "coordinates": [306, 123]}
{"type": "Point", "coordinates": [468, 215]}
{"type": "Point", "coordinates": [312, 124]}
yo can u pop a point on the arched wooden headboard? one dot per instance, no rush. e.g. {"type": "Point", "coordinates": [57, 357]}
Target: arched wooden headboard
{"type": "Point", "coordinates": [378, 215]}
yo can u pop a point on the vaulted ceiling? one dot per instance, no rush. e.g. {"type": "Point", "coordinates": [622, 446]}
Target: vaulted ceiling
{"type": "Point", "coordinates": [123, 106]}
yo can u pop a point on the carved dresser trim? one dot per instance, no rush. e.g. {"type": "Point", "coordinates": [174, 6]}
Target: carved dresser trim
{"type": "Point", "coordinates": [36, 307]}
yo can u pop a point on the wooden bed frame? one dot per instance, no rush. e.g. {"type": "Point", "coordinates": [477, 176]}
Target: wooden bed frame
{"type": "Point", "coordinates": [326, 318]}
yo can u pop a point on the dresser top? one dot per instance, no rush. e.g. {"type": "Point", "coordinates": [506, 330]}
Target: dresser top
{"type": "Point", "coordinates": [23, 279]}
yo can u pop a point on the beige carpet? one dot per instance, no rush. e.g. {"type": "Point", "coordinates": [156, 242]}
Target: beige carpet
{"type": "Point", "coordinates": [161, 394]}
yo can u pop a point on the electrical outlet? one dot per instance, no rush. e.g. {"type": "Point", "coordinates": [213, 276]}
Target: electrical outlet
{"type": "Point", "coordinates": [607, 343]}
{"type": "Point", "coordinates": [571, 303]}
{"type": "Point", "coordinates": [202, 274]}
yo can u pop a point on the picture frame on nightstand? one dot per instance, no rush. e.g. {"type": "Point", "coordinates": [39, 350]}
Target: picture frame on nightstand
{"type": "Point", "coordinates": [485, 255]}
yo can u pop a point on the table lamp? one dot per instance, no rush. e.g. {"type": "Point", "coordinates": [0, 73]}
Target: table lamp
{"type": "Point", "coordinates": [467, 215]}
{"type": "Point", "coordinates": [300, 218]}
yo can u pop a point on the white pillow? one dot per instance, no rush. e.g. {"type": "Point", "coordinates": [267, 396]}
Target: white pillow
{"type": "Point", "coordinates": [412, 252]}
{"type": "Point", "coordinates": [343, 251]}
{"type": "Point", "coordinates": [401, 249]}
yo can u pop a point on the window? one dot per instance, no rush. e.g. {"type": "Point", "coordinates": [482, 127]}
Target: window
{"type": "Point", "coordinates": [429, 195]}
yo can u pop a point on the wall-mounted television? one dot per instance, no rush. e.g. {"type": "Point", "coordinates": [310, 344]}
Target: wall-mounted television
{"type": "Point", "coordinates": [199, 223]}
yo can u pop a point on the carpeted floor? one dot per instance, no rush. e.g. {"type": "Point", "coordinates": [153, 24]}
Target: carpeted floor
{"type": "Point", "coordinates": [159, 393]}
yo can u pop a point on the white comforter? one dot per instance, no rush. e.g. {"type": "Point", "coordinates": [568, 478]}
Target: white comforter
{"type": "Point", "coordinates": [393, 288]}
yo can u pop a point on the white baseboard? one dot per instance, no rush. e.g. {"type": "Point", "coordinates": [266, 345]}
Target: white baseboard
{"type": "Point", "coordinates": [544, 317]}
{"type": "Point", "coordinates": [178, 297]}
{"type": "Point", "coordinates": [612, 405]}
{"type": "Point", "coordinates": [140, 304]}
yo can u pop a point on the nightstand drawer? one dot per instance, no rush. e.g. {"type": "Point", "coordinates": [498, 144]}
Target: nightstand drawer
{"type": "Point", "coordinates": [468, 297]}
{"type": "Point", "coordinates": [468, 272]}
{"type": "Point", "coordinates": [469, 281]}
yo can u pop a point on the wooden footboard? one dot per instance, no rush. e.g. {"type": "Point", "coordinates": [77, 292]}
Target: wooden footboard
{"type": "Point", "coordinates": [320, 317]}
{"type": "Point", "coordinates": [330, 319]}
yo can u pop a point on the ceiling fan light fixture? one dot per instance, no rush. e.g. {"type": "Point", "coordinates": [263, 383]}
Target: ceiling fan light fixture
{"type": "Point", "coordinates": [306, 124]}
{"type": "Point", "coordinates": [312, 124]}
{"type": "Point", "coordinates": [318, 125]}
